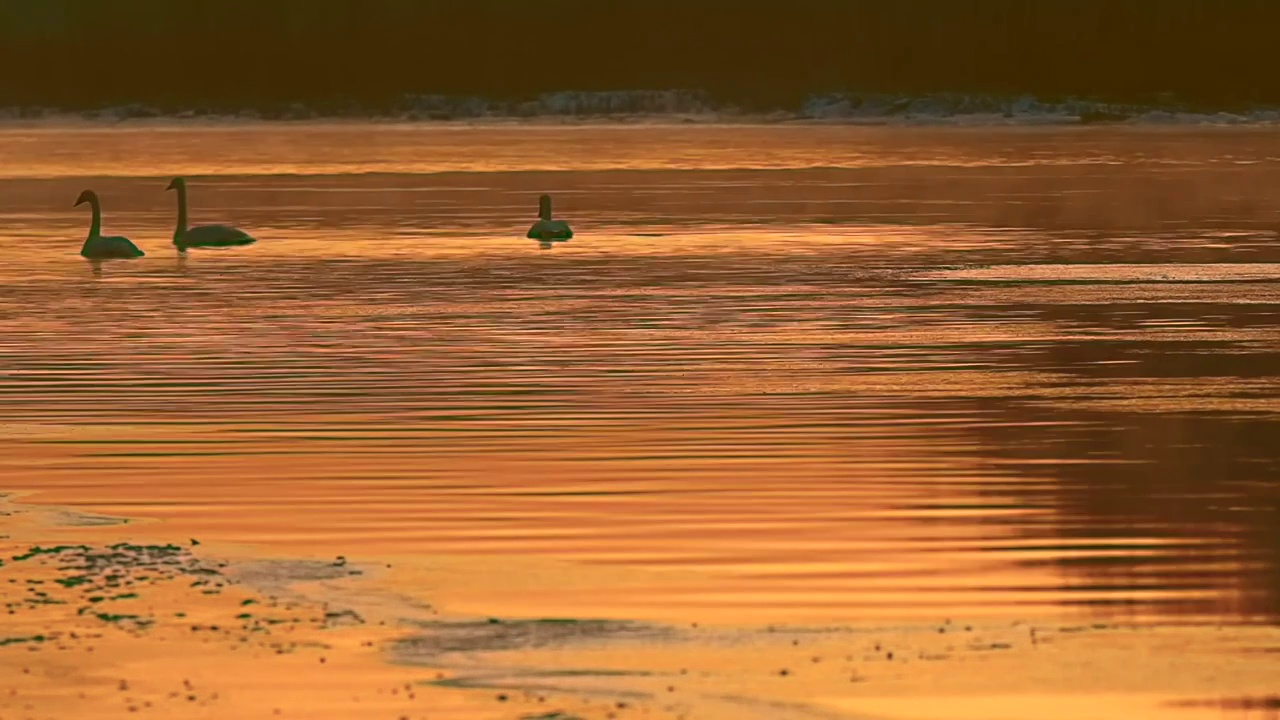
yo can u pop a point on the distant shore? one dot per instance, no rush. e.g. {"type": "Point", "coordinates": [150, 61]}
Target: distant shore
{"type": "Point", "coordinates": [684, 107]}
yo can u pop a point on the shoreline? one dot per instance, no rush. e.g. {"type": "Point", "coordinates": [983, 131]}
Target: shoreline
{"type": "Point", "coordinates": [27, 119]}
{"type": "Point", "coordinates": [179, 609]}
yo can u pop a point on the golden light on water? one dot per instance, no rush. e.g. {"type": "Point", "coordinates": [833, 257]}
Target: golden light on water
{"type": "Point", "coordinates": [758, 388]}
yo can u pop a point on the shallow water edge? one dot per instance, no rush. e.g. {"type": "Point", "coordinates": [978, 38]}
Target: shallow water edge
{"type": "Point", "coordinates": [173, 626]}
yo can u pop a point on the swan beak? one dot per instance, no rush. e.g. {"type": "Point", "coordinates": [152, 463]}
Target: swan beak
{"type": "Point", "coordinates": [81, 200]}
{"type": "Point", "coordinates": [172, 184]}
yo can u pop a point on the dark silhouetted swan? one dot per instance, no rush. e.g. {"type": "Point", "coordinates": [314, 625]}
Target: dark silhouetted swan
{"type": "Point", "coordinates": [208, 236]}
{"type": "Point", "coordinates": [97, 247]}
{"type": "Point", "coordinates": [546, 228]}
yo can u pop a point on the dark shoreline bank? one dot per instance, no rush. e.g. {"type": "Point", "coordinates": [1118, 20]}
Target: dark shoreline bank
{"type": "Point", "coordinates": [77, 55]}
{"type": "Point", "coordinates": [687, 106]}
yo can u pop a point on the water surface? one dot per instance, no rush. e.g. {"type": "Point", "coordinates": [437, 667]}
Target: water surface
{"type": "Point", "coordinates": [783, 374]}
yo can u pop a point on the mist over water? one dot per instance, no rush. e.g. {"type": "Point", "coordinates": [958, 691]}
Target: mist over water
{"type": "Point", "coordinates": [797, 373]}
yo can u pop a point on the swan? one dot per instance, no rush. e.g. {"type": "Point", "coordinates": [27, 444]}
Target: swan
{"type": "Point", "coordinates": [202, 235]}
{"type": "Point", "coordinates": [546, 228]}
{"type": "Point", "coordinates": [97, 247]}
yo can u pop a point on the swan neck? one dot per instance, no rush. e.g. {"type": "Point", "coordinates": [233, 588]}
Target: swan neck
{"type": "Point", "coordinates": [95, 226]}
{"type": "Point", "coordinates": [544, 207]}
{"type": "Point", "coordinates": [182, 212]}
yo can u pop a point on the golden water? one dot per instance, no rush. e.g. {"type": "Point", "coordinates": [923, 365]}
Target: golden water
{"type": "Point", "coordinates": [782, 374]}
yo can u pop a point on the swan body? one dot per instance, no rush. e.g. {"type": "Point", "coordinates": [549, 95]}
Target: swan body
{"type": "Point", "coordinates": [206, 236]}
{"type": "Point", "coordinates": [98, 246]}
{"type": "Point", "coordinates": [546, 228]}
{"type": "Point", "coordinates": [212, 236]}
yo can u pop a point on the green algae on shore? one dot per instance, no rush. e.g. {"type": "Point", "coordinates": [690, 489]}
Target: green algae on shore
{"type": "Point", "coordinates": [18, 640]}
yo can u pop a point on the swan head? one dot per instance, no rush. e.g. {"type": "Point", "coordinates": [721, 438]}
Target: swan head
{"type": "Point", "coordinates": [176, 184]}
{"type": "Point", "coordinates": [88, 196]}
{"type": "Point", "coordinates": [544, 207]}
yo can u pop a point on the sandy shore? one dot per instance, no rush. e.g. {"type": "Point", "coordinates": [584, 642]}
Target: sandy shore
{"type": "Point", "coordinates": [102, 621]}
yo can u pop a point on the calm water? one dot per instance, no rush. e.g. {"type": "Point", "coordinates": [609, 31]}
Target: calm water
{"type": "Point", "coordinates": [798, 373]}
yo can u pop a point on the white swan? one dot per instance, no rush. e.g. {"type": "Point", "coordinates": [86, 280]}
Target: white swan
{"type": "Point", "coordinates": [202, 235]}
{"type": "Point", "coordinates": [546, 228]}
{"type": "Point", "coordinates": [97, 247]}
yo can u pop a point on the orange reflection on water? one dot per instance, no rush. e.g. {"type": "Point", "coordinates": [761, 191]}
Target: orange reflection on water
{"type": "Point", "coordinates": [810, 372]}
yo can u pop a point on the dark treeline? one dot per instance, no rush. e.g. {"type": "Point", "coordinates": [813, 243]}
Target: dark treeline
{"type": "Point", "coordinates": [761, 54]}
